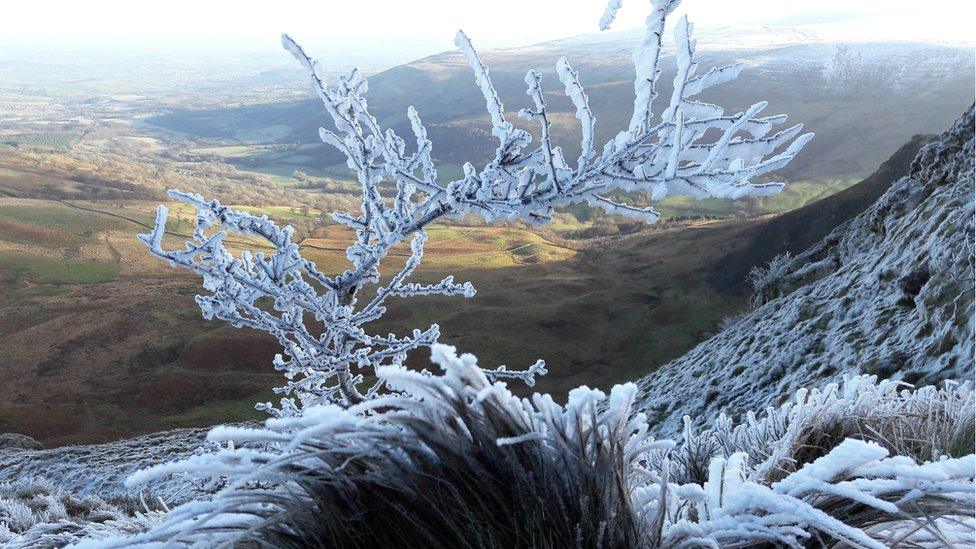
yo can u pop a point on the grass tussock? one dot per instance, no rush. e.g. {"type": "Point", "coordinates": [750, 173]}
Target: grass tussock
{"type": "Point", "coordinates": [36, 514]}
{"type": "Point", "coordinates": [457, 461]}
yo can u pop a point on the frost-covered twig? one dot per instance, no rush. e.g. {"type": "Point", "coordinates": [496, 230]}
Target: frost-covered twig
{"type": "Point", "coordinates": [280, 292]}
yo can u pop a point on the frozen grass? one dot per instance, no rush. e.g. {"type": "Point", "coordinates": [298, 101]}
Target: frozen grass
{"type": "Point", "coordinates": [458, 461]}
{"type": "Point", "coordinates": [35, 514]}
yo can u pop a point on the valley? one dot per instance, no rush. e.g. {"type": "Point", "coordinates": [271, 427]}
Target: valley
{"type": "Point", "coordinates": [103, 341]}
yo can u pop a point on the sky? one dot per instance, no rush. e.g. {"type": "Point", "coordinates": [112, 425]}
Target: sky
{"type": "Point", "coordinates": [420, 27]}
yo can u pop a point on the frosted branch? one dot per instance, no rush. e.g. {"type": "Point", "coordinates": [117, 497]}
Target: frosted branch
{"type": "Point", "coordinates": [277, 291]}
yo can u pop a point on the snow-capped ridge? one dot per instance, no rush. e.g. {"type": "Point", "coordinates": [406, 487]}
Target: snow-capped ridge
{"type": "Point", "coordinates": [756, 37]}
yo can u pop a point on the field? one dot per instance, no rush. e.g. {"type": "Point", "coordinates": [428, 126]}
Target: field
{"type": "Point", "coordinates": [102, 340]}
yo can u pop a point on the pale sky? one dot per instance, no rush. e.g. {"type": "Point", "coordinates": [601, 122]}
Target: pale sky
{"type": "Point", "coordinates": [428, 26]}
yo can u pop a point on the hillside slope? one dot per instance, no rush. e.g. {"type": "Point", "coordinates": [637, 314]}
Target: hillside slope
{"type": "Point", "coordinates": [888, 293]}
{"type": "Point", "coordinates": [755, 242]}
{"type": "Point", "coordinates": [798, 229]}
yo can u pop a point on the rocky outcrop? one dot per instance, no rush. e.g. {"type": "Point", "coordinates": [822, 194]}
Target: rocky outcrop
{"type": "Point", "coordinates": [890, 293]}
{"type": "Point", "coordinates": [18, 442]}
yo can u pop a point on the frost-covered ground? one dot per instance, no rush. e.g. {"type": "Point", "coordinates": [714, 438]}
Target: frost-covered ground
{"type": "Point", "coordinates": [459, 461]}
{"type": "Point", "coordinates": [50, 498]}
{"type": "Point", "coordinates": [36, 513]}
{"type": "Point", "coordinates": [100, 469]}
{"type": "Point", "coordinates": [888, 293]}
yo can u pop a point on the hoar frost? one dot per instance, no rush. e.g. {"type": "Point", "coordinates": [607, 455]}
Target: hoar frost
{"type": "Point", "coordinates": [455, 455]}
{"type": "Point", "coordinates": [278, 291]}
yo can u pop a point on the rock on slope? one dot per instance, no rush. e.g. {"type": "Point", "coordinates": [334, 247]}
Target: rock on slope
{"type": "Point", "coordinates": [889, 293]}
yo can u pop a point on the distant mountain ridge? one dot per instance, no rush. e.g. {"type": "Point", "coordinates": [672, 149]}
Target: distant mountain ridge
{"type": "Point", "coordinates": [758, 36]}
{"type": "Point", "coordinates": [863, 100]}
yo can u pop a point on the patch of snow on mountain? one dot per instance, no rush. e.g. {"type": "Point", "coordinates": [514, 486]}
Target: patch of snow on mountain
{"type": "Point", "coordinates": [763, 37]}
{"type": "Point", "coordinates": [842, 57]}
